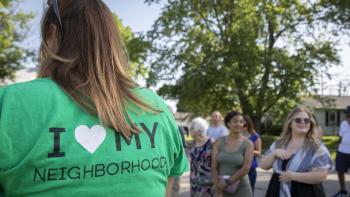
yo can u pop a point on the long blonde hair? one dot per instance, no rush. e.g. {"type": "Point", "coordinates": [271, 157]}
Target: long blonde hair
{"type": "Point", "coordinates": [89, 61]}
{"type": "Point", "coordinates": [311, 138]}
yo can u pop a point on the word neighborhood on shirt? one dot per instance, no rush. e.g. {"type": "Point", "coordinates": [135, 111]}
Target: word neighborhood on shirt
{"type": "Point", "coordinates": [90, 139]}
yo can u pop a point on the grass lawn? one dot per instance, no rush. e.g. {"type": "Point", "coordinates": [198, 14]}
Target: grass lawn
{"type": "Point", "coordinates": [332, 144]}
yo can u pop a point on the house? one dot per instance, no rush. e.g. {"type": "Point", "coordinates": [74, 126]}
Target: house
{"type": "Point", "coordinates": [182, 118]}
{"type": "Point", "coordinates": [328, 111]}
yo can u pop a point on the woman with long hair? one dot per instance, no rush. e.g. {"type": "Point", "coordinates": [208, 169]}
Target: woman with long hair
{"type": "Point", "coordinates": [84, 128]}
{"type": "Point", "coordinates": [254, 137]}
{"type": "Point", "coordinates": [299, 160]}
{"type": "Point", "coordinates": [231, 160]}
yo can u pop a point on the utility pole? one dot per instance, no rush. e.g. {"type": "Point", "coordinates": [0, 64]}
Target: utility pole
{"type": "Point", "coordinates": [340, 87]}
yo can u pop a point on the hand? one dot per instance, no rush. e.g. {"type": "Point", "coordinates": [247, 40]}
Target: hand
{"type": "Point", "coordinates": [286, 176]}
{"type": "Point", "coordinates": [282, 154]}
{"type": "Point", "coordinates": [220, 186]}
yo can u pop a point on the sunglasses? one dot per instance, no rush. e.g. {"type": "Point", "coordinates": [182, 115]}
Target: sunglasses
{"type": "Point", "coordinates": [56, 10]}
{"type": "Point", "coordinates": [302, 120]}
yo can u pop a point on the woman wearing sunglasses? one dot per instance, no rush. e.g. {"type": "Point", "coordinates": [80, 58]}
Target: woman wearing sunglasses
{"type": "Point", "coordinates": [299, 160]}
{"type": "Point", "coordinates": [84, 128]}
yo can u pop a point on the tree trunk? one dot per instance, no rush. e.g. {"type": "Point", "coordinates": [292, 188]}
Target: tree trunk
{"type": "Point", "coordinates": [257, 122]}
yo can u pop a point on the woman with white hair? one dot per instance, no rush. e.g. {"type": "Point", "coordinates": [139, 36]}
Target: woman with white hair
{"type": "Point", "coordinates": [200, 177]}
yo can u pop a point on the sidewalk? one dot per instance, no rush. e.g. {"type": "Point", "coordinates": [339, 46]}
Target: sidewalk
{"type": "Point", "coordinates": [331, 185]}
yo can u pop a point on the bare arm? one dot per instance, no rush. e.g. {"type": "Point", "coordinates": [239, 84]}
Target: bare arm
{"type": "Point", "coordinates": [312, 177]}
{"type": "Point", "coordinates": [169, 187]}
{"type": "Point", "coordinates": [267, 160]}
{"type": "Point", "coordinates": [214, 165]}
{"type": "Point", "coordinates": [257, 147]}
{"type": "Point", "coordinates": [248, 158]}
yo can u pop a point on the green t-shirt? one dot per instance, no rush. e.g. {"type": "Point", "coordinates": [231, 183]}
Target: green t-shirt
{"type": "Point", "coordinates": [49, 146]}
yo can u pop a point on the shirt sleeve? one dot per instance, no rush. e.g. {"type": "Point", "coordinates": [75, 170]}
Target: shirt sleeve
{"type": "Point", "coordinates": [180, 163]}
{"type": "Point", "coordinates": [254, 137]}
{"type": "Point", "coordinates": [341, 129]}
{"type": "Point", "coordinates": [180, 160]}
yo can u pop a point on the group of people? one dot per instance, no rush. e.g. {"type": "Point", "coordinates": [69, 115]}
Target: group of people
{"type": "Point", "coordinates": [223, 160]}
{"type": "Point", "coordinates": [85, 128]}
{"type": "Point", "coordinates": [224, 163]}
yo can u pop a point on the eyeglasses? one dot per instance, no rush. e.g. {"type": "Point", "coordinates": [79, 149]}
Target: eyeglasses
{"type": "Point", "coordinates": [302, 120]}
{"type": "Point", "coordinates": [56, 5]}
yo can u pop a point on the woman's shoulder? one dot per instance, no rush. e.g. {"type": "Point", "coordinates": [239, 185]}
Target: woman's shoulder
{"type": "Point", "coordinates": [254, 137]}
{"type": "Point", "coordinates": [255, 134]}
{"type": "Point", "coordinates": [247, 142]}
{"type": "Point", "coordinates": [144, 91]}
{"type": "Point", "coordinates": [30, 86]}
{"type": "Point", "coordinates": [40, 88]}
{"type": "Point", "coordinates": [322, 149]}
{"type": "Point", "coordinates": [218, 142]}
{"type": "Point", "coordinates": [149, 96]}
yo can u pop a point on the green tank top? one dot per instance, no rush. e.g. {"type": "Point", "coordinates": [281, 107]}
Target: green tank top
{"type": "Point", "coordinates": [230, 161]}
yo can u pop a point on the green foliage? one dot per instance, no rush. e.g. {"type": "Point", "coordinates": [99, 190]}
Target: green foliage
{"type": "Point", "coordinates": [336, 11]}
{"type": "Point", "coordinates": [267, 140]}
{"type": "Point", "coordinates": [331, 142]}
{"type": "Point", "coordinates": [136, 47]}
{"type": "Point", "coordinates": [251, 55]}
{"type": "Point", "coordinates": [13, 29]}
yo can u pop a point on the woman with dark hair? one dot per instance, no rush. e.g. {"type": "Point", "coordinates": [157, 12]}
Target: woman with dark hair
{"type": "Point", "coordinates": [300, 162]}
{"type": "Point", "coordinates": [84, 128]}
{"type": "Point", "coordinates": [252, 135]}
{"type": "Point", "coordinates": [231, 160]}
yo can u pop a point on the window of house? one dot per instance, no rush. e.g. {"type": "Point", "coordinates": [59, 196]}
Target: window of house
{"type": "Point", "coordinates": [331, 118]}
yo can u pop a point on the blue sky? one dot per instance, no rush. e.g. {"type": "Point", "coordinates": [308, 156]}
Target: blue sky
{"type": "Point", "coordinates": [140, 17]}
{"type": "Point", "coordinates": [134, 13]}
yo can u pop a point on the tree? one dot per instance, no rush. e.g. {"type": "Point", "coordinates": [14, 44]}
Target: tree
{"type": "Point", "coordinates": [13, 29]}
{"type": "Point", "coordinates": [336, 11]}
{"type": "Point", "coordinates": [251, 55]}
{"type": "Point", "coordinates": [136, 47]}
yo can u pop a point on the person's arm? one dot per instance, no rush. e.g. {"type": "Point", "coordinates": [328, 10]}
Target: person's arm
{"type": "Point", "coordinates": [248, 158]}
{"type": "Point", "coordinates": [340, 132]}
{"type": "Point", "coordinates": [312, 177]}
{"type": "Point", "coordinates": [214, 166]}
{"type": "Point", "coordinates": [169, 187]}
{"type": "Point", "coordinates": [267, 160]}
{"type": "Point", "coordinates": [257, 147]}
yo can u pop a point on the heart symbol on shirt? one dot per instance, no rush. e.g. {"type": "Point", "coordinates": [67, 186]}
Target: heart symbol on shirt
{"type": "Point", "coordinates": [90, 139]}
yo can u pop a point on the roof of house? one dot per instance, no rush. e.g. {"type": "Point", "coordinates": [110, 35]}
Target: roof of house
{"type": "Point", "coordinates": [327, 102]}
{"type": "Point", "coordinates": [182, 116]}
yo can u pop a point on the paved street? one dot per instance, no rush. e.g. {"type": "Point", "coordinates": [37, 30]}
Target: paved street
{"type": "Point", "coordinates": [331, 185]}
